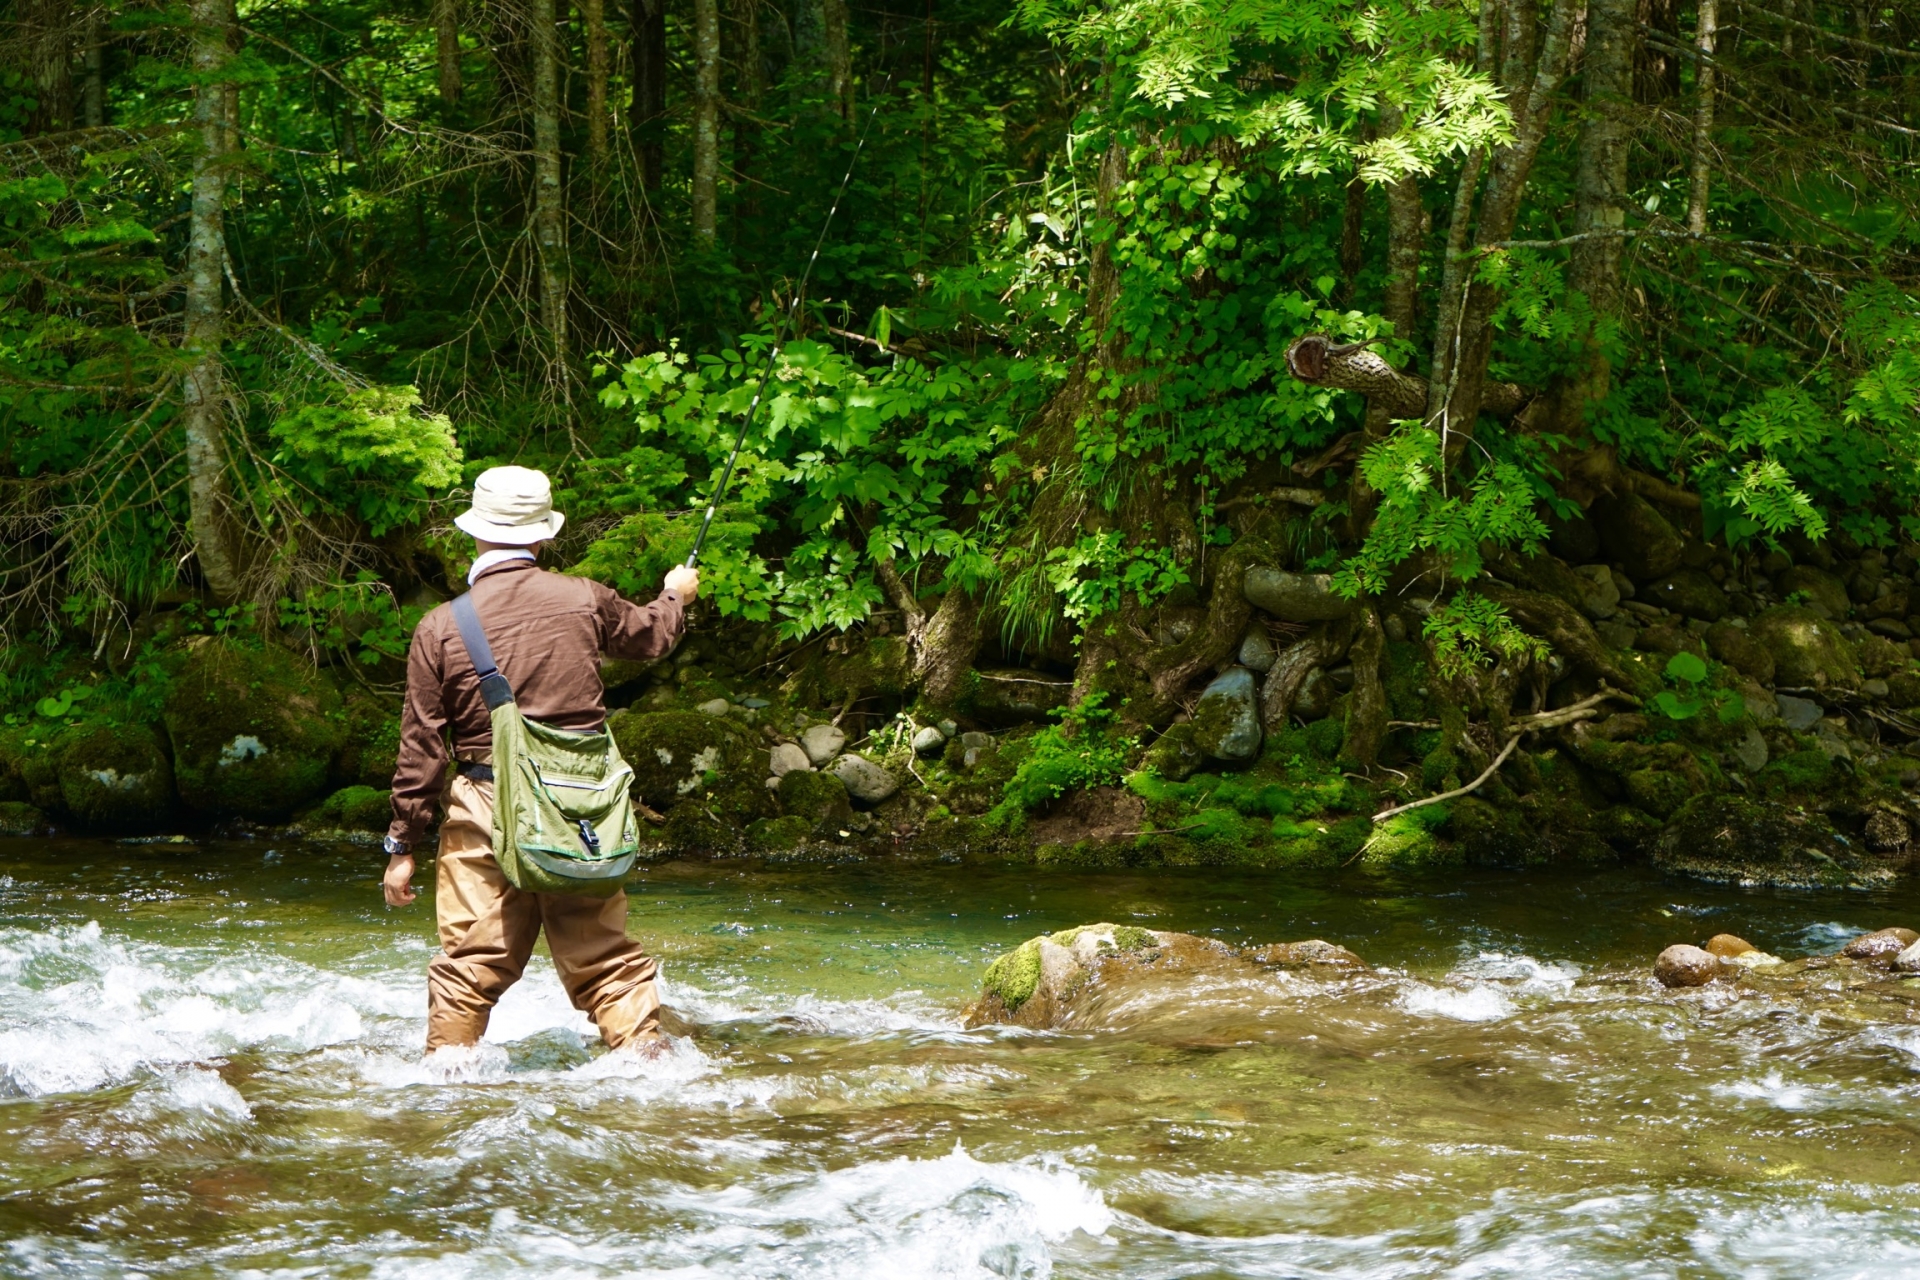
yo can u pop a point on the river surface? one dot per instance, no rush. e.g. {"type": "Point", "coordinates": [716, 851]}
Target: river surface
{"type": "Point", "coordinates": [210, 1066]}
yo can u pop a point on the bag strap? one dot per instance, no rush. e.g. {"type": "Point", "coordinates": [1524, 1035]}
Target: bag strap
{"type": "Point", "coordinates": [493, 686]}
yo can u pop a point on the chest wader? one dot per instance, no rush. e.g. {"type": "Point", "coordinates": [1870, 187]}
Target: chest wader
{"type": "Point", "coordinates": [563, 817]}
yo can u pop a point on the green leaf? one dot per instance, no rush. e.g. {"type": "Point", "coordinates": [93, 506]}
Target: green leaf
{"type": "Point", "coordinates": [54, 708]}
{"type": "Point", "coordinates": [1674, 707]}
{"type": "Point", "coordinates": [1732, 709]}
{"type": "Point", "coordinates": [1687, 667]}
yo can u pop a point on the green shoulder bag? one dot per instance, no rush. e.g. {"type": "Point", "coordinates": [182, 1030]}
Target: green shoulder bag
{"type": "Point", "coordinates": [563, 818]}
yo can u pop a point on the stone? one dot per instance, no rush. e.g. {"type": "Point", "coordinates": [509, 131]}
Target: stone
{"type": "Point", "coordinates": [1601, 599]}
{"type": "Point", "coordinates": [974, 740]}
{"type": "Point", "coordinates": [1821, 588]}
{"type": "Point", "coordinates": [1762, 706]}
{"type": "Point", "coordinates": [674, 754]}
{"type": "Point", "coordinates": [714, 707]}
{"type": "Point", "coordinates": [928, 739]}
{"type": "Point", "coordinates": [1887, 832]}
{"type": "Point", "coordinates": [1728, 945]}
{"type": "Point", "coordinates": [1315, 697]}
{"type": "Point", "coordinates": [1880, 657]}
{"type": "Point", "coordinates": [356, 808]}
{"type": "Point", "coordinates": [116, 778]}
{"type": "Point", "coordinates": [822, 742]}
{"type": "Point", "coordinates": [1890, 628]}
{"type": "Point", "coordinates": [1310, 953]}
{"type": "Point", "coordinates": [1682, 965]}
{"type": "Point", "coordinates": [255, 730]}
{"type": "Point", "coordinates": [18, 818]}
{"type": "Point", "coordinates": [1733, 839]}
{"type": "Point", "coordinates": [1616, 634]}
{"type": "Point", "coordinates": [1798, 714]}
{"type": "Point", "coordinates": [819, 798]}
{"type": "Point", "coordinates": [1009, 696]}
{"type": "Point", "coordinates": [948, 727]}
{"type": "Point", "coordinates": [1908, 961]}
{"type": "Point", "coordinates": [1572, 538]}
{"type": "Point", "coordinates": [1173, 754]}
{"type": "Point", "coordinates": [1750, 752]}
{"type": "Point", "coordinates": [786, 758]}
{"type": "Point", "coordinates": [1637, 537]}
{"type": "Point", "coordinates": [1808, 651]}
{"type": "Point", "coordinates": [1737, 648]}
{"type": "Point", "coordinates": [1294, 597]}
{"type": "Point", "coordinates": [773, 784]}
{"type": "Point", "coordinates": [865, 781]}
{"type": "Point", "coordinates": [1881, 944]}
{"type": "Point", "coordinates": [1226, 721]}
{"type": "Point", "coordinates": [755, 704]}
{"type": "Point", "coordinates": [1256, 652]}
{"type": "Point", "coordinates": [1690, 592]}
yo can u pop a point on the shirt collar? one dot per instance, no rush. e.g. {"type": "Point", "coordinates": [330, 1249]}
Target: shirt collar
{"type": "Point", "coordinates": [499, 555]}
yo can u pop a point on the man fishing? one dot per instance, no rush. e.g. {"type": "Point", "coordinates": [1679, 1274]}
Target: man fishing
{"type": "Point", "coordinates": [547, 633]}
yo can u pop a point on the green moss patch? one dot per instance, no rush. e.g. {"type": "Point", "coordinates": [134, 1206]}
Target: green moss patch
{"type": "Point", "coordinates": [1015, 976]}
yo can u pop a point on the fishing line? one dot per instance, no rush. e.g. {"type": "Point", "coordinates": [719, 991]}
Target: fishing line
{"type": "Point", "coordinates": [786, 323]}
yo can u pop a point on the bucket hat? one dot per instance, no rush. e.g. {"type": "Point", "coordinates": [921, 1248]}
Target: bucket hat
{"type": "Point", "coordinates": [512, 505]}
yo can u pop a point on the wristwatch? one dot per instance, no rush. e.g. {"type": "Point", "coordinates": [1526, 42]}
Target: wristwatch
{"type": "Point", "coordinates": [393, 847]}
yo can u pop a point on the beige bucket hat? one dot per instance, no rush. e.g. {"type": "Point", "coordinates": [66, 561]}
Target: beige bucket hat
{"type": "Point", "coordinates": [513, 505]}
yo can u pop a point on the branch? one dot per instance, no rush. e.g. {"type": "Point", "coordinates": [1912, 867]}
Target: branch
{"type": "Point", "coordinates": [1317, 360]}
{"type": "Point", "coordinates": [1457, 792]}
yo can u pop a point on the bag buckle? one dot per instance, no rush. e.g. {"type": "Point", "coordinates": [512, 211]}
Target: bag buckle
{"type": "Point", "coordinates": [589, 837]}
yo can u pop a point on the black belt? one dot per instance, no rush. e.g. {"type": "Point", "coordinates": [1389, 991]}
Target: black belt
{"type": "Point", "coordinates": [471, 769]}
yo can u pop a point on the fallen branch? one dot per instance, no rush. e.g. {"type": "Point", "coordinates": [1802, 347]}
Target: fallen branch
{"type": "Point", "coordinates": [1498, 760]}
{"type": "Point", "coordinates": [1352, 366]}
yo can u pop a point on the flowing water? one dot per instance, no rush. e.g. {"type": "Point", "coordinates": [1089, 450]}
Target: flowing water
{"type": "Point", "coordinates": [209, 1065]}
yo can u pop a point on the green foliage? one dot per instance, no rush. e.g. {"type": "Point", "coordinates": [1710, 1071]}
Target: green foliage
{"type": "Point", "coordinates": [1095, 573]}
{"type": "Point", "coordinates": [1472, 631]}
{"type": "Point", "coordinates": [374, 453]}
{"type": "Point", "coordinates": [1083, 750]}
{"type": "Point", "coordinates": [361, 619]}
{"type": "Point", "coordinates": [1688, 673]}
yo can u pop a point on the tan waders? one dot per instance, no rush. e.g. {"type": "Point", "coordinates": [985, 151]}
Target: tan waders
{"type": "Point", "coordinates": [488, 928]}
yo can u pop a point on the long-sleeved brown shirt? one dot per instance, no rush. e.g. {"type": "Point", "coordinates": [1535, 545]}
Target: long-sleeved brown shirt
{"type": "Point", "coordinates": [548, 632]}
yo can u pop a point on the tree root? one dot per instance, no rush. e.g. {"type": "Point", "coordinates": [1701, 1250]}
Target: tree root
{"type": "Point", "coordinates": [1457, 792]}
{"type": "Point", "coordinates": [1296, 662]}
{"type": "Point", "coordinates": [1563, 625]}
{"type": "Point", "coordinates": [1367, 713]}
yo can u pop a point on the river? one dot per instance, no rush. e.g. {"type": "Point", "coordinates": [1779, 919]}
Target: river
{"type": "Point", "coordinates": [209, 1066]}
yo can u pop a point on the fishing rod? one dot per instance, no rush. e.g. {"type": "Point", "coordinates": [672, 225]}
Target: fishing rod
{"type": "Point", "coordinates": [786, 323]}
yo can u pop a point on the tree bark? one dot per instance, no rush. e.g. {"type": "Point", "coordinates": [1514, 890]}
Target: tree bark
{"type": "Point", "coordinates": [1600, 184]}
{"type": "Point", "coordinates": [1703, 40]}
{"type": "Point", "coordinates": [446, 30]}
{"type": "Point", "coordinates": [649, 108]}
{"type": "Point", "coordinates": [594, 14]}
{"type": "Point", "coordinates": [706, 119]}
{"type": "Point", "coordinates": [749, 88]}
{"type": "Point", "coordinates": [203, 387]}
{"type": "Point", "coordinates": [1357, 367]}
{"type": "Point", "coordinates": [93, 64]}
{"type": "Point", "coordinates": [47, 26]}
{"type": "Point", "coordinates": [1367, 711]}
{"type": "Point", "coordinates": [839, 50]}
{"type": "Point", "coordinates": [941, 647]}
{"type": "Point", "coordinates": [1295, 663]}
{"type": "Point", "coordinates": [549, 196]}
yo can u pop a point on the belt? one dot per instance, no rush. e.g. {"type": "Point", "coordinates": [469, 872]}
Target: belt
{"type": "Point", "coordinates": [477, 772]}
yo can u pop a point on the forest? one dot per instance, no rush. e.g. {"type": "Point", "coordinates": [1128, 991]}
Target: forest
{"type": "Point", "coordinates": [1245, 432]}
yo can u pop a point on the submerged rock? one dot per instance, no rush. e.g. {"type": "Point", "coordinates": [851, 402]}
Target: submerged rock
{"type": "Point", "coordinates": [1682, 965]}
{"type": "Point", "coordinates": [1294, 597]}
{"type": "Point", "coordinates": [1291, 955]}
{"type": "Point", "coordinates": [1881, 944]}
{"type": "Point", "coordinates": [1226, 722]}
{"type": "Point", "coordinates": [254, 728]}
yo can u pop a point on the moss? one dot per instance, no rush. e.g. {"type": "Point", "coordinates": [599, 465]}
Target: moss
{"type": "Point", "coordinates": [255, 729]}
{"type": "Point", "coordinates": [372, 748]}
{"type": "Point", "coordinates": [1440, 769]}
{"type": "Point", "coordinates": [1806, 770]}
{"type": "Point", "coordinates": [677, 753]}
{"type": "Point", "coordinates": [1658, 791]}
{"type": "Point", "coordinates": [18, 818]}
{"type": "Point", "coordinates": [1808, 651]}
{"type": "Point", "coordinates": [1173, 754]}
{"type": "Point", "coordinates": [1015, 976]}
{"type": "Point", "coordinates": [1406, 681]}
{"type": "Point", "coordinates": [774, 834]}
{"type": "Point", "coordinates": [1126, 937]}
{"type": "Point", "coordinates": [115, 777]}
{"type": "Point", "coordinates": [355, 808]}
{"type": "Point", "coordinates": [815, 798]}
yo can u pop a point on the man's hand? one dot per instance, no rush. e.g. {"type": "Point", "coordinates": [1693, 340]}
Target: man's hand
{"type": "Point", "coordinates": [683, 582]}
{"type": "Point", "coordinates": [397, 884]}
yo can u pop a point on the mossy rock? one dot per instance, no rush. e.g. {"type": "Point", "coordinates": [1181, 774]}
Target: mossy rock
{"type": "Point", "coordinates": [1690, 592]}
{"type": "Point", "coordinates": [1014, 977]}
{"type": "Point", "coordinates": [115, 778]}
{"type": "Point", "coordinates": [1637, 537]}
{"type": "Point", "coordinates": [775, 835]}
{"type": "Point", "coordinates": [1805, 772]}
{"type": "Point", "coordinates": [372, 748]}
{"type": "Point", "coordinates": [18, 818]}
{"type": "Point", "coordinates": [819, 799]}
{"type": "Point", "coordinates": [881, 665]}
{"type": "Point", "coordinates": [1881, 657]}
{"type": "Point", "coordinates": [675, 754]}
{"type": "Point", "coordinates": [1737, 648]}
{"type": "Point", "coordinates": [1808, 651]}
{"type": "Point", "coordinates": [1658, 790]}
{"type": "Point", "coordinates": [1173, 754]}
{"type": "Point", "coordinates": [355, 808]}
{"type": "Point", "coordinates": [1819, 586]}
{"type": "Point", "coordinates": [255, 730]}
{"type": "Point", "coordinates": [30, 761]}
{"type": "Point", "coordinates": [1409, 694]}
{"type": "Point", "coordinates": [1736, 840]}
{"type": "Point", "coordinates": [1407, 841]}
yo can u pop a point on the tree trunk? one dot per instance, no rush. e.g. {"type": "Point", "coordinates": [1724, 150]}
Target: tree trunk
{"type": "Point", "coordinates": [749, 88]}
{"type": "Point", "coordinates": [1600, 185]}
{"type": "Point", "coordinates": [940, 647]}
{"type": "Point", "coordinates": [549, 196]}
{"type": "Point", "coordinates": [203, 387]}
{"type": "Point", "coordinates": [706, 119]}
{"type": "Point", "coordinates": [839, 52]}
{"type": "Point", "coordinates": [594, 14]}
{"type": "Point", "coordinates": [93, 63]}
{"type": "Point", "coordinates": [1367, 711]}
{"type": "Point", "coordinates": [47, 26]}
{"type": "Point", "coordinates": [1703, 39]}
{"type": "Point", "coordinates": [649, 109]}
{"type": "Point", "coordinates": [446, 30]}
{"type": "Point", "coordinates": [1406, 240]}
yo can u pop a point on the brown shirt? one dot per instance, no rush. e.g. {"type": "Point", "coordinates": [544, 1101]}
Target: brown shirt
{"type": "Point", "coordinates": [547, 633]}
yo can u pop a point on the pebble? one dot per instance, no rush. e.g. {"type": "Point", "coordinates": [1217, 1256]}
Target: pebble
{"type": "Point", "coordinates": [789, 758]}
{"type": "Point", "coordinates": [773, 784]}
{"type": "Point", "coordinates": [928, 739]}
{"type": "Point", "coordinates": [1686, 966]}
{"type": "Point", "coordinates": [1908, 961]}
{"type": "Point", "coordinates": [1728, 945]}
{"type": "Point", "coordinates": [974, 740]}
{"type": "Point", "coordinates": [1880, 944]}
{"type": "Point", "coordinates": [822, 742]}
{"type": "Point", "coordinates": [866, 781]}
{"type": "Point", "coordinates": [754, 704]}
{"type": "Point", "coordinates": [1798, 714]}
{"type": "Point", "coordinates": [714, 707]}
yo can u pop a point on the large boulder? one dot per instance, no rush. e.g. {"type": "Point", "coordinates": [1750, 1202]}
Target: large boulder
{"type": "Point", "coordinates": [818, 798]}
{"type": "Point", "coordinates": [676, 753]}
{"type": "Point", "coordinates": [1733, 839]}
{"type": "Point", "coordinates": [1690, 592]}
{"type": "Point", "coordinates": [372, 748]}
{"type": "Point", "coordinates": [255, 730]}
{"type": "Point", "coordinates": [1737, 647]}
{"type": "Point", "coordinates": [1226, 721]}
{"type": "Point", "coordinates": [1637, 537]}
{"type": "Point", "coordinates": [1294, 597]}
{"type": "Point", "coordinates": [1015, 695]}
{"type": "Point", "coordinates": [116, 777]}
{"type": "Point", "coordinates": [1808, 651]}
{"type": "Point", "coordinates": [1818, 586]}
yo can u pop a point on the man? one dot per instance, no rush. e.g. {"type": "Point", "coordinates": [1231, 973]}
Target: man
{"type": "Point", "coordinates": [548, 633]}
